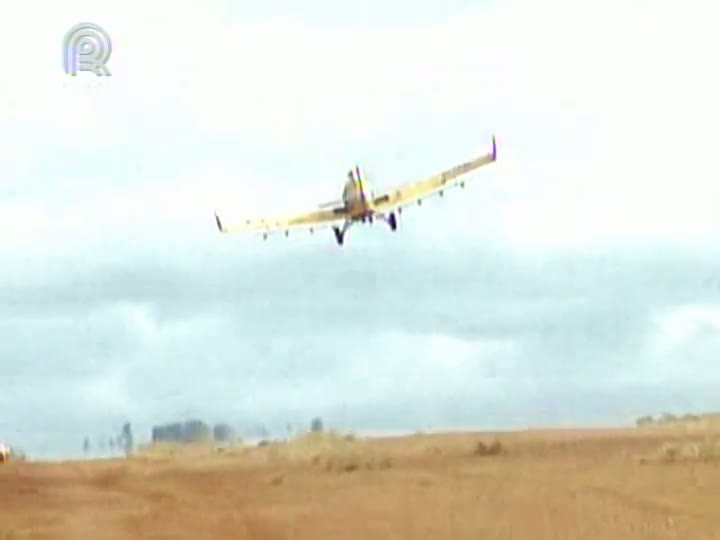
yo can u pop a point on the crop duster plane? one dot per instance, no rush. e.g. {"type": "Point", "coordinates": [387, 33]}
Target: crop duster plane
{"type": "Point", "coordinates": [359, 204]}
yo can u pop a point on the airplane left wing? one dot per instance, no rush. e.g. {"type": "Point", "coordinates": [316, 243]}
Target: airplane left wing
{"type": "Point", "coordinates": [307, 219]}
{"type": "Point", "coordinates": [414, 191]}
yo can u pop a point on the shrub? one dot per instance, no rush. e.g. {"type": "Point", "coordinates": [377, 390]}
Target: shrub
{"type": "Point", "coordinates": [492, 449]}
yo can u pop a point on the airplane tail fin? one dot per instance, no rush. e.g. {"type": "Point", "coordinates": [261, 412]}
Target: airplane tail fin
{"type": "Point", "coordinates": [361, 182]}
{"type": "Point", "coordinates": [218, 223]}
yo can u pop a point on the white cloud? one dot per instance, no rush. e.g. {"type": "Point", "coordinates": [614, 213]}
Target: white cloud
{"type": "Point", "coordinates": [104, 393]}
{"type": "Point", "coordinates": [679, 326]}
{"type": "Point", "coordinates": [417, 365]}
{"type": "Point", "coordinates": [683, 345]}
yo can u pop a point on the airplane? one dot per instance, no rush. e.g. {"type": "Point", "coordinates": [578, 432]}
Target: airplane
{"type": "Point", "coordinates": [359, 204]}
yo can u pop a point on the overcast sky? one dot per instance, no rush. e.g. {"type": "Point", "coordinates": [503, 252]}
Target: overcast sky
{"type": "Point", "coordinates": [577, 280]}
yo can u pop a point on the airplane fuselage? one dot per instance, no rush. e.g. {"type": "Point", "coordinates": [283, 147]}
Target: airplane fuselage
{"type": "Point", "coordinates": [356, 198]}
{"type": "Point", "coordinates": [358, 205]}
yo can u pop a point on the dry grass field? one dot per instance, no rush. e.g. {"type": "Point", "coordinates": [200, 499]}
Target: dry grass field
{"type": "Point", "coordinates": [657, 482]}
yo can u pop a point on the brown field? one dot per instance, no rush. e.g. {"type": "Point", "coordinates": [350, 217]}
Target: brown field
{"type": "Point", "coordinates": [655, 483]}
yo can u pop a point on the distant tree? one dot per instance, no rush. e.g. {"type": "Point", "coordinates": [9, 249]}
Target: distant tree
{"type": "Point", "coordinates": [168, 433]}
{"type": "Point", "coordinates": [127, 437]}
{"type": "Point", "coordinates": [196, 431]}
{"type": "Point", "coordinates": [223, 433]}
{"type": "Point", "coordinates": [316, 425]}
{"type": "Point", "coordinates": [86, 445]}
{"type": "Point", "coordinates": [644, 421]}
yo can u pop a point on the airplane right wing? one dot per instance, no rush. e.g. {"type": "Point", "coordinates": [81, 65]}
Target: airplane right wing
{"type": "Point", "coordinates": [415, 191]}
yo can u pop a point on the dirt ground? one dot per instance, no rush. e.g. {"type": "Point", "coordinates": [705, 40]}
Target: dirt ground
{"type": "Point", "coordinates": [565, 484]}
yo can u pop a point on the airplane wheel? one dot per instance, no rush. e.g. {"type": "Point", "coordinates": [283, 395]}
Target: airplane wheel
{"type": "Point", "coordinates": [339, 236]}
{"type": "Point", "coordinates": [392, 221]}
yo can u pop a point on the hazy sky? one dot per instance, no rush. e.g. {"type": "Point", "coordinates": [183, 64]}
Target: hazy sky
{"type": "Point", "coordinates": [576, 280]}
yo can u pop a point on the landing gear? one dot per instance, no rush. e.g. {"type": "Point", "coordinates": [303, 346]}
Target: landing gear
{"type": "Point", "coordinates": [392, 221]}
{"type": "Point", "coordinates": [340, 233]}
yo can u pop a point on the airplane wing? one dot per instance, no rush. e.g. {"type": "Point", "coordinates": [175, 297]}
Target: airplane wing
{"type": "Point", "coordinates": [415, 191]}
{"type": "Point", "coordinates": [313, 219]}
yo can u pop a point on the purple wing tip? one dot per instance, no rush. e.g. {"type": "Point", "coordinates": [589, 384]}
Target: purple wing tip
{"type": "Point", "coordinates": [494, 150]}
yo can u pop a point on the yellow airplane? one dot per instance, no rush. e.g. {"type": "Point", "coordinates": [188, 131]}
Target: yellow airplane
{"type": "Point", "coordinates": [359, 204]}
